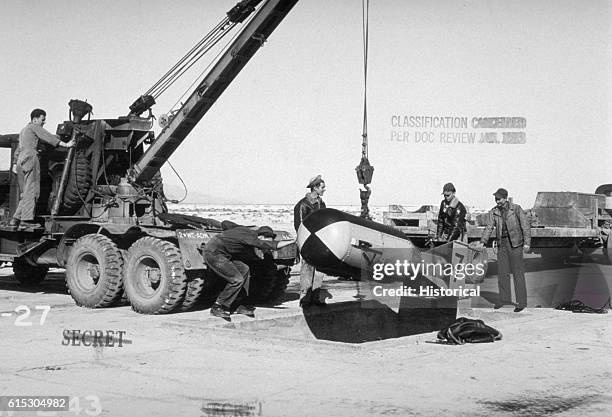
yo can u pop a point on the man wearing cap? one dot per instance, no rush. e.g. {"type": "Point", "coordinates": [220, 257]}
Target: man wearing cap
{"type": "Point", "coordinates": [451, 217]}
{"type": "Point", "coordinates": [513, 236]}
{"type": "Point", "coordinates": [310, 281]}
{"type": "Point", "coordinates": [225, 255]}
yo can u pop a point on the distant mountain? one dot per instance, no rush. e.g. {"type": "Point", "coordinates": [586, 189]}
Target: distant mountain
{"type": "Point", "coordinates": [177, 192]}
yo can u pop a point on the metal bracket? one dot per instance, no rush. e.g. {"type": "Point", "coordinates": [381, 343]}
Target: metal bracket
{"type": "Point", "coordinates": [259, 37]}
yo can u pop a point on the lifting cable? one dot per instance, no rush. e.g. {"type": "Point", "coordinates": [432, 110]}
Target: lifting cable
{"type": "Point", "coordinates": [182, 182]}
{"type": "Point", "coordinates": [190, 58]}
{"type": "Point", "coordinates": [364, 170]}
{"type": "Point", "coordinates": [201, 75]}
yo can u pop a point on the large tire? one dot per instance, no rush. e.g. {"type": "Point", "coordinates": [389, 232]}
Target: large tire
{"type": "Point", "coordinates": [122, 299]}
{"type": "Point", "coordinates": [94, 271]}
{"type": "Point", "coordinates": [555, 256]}
{"type": "Point", "coordinates": [155, 279]}
{"type": "Point", "coordinates": [282, 280]}
{"type": "Point", "coordinates": [607, 250]}
{"type": "Point", "coordinates": [195, 286]}
{"type": "Point", "coordinates": [267, 285]}
{"type": "Point", "coordinates": [213, 285]}
{"type": "Point", "coordinates": [79, 184]}
{"type": "Point", "coordinates": [605, 189]}
{"type": "Point", "coordinates": [29, 275]}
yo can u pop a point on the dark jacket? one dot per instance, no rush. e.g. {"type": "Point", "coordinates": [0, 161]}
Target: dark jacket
{"type": "Point", "coordinates": [304, 207]}
{"type": "Point", "coordinates": [451, 219]}
{"type": "Point", "coordinates": [237, 243]}
{"type": "Point", "coordinates": [519, 229]}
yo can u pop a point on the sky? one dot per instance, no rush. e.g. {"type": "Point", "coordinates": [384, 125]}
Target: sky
{"type": "Point", "coordinates": [296, 109]}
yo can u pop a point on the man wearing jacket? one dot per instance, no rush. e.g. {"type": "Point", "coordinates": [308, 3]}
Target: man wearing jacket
{"type": "Point", "coordinates": [451, 217]}
{"type": "Point", "coordinates": [513, 236]}
{"type": "Point", "coordinates": [225, 254]}
{"type": "Point", "coordinates": [310, 281]}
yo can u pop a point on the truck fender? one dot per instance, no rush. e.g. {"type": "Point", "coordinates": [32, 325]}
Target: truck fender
{"type": "Point", "coordinates": [122, 235]}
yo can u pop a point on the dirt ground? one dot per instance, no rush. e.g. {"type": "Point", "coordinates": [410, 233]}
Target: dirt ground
{"type": "Point", "coordinates": [341, 360]}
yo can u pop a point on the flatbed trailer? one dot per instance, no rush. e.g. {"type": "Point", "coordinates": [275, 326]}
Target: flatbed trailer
{"type": "Point", "coordinates": [562, 223]}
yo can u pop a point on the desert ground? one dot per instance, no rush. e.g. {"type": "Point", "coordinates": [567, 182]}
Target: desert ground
{"type": "Point", "coordinates": [352, 358]}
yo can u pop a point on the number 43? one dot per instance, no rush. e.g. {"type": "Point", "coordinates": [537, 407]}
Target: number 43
{"type": "Point", "coordinates": [94, 402]}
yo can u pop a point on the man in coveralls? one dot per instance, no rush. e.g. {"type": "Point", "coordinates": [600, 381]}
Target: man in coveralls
{"type": "Point", "coordinates": [27, 166]}
{"type": "Point", "coordinates": [224, 255]}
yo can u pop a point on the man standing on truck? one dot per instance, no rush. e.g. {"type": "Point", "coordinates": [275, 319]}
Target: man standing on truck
{"type": "Point", "coordinates": [310, 281]}
{"type": "Point", "coordinates": [27, 166]}
{"type": "Point", "coordinates": [513, 236]}
{"type": "Point", "coordinates": [224, 255]}
{"type": "Point", "coordinates": [451, 217]}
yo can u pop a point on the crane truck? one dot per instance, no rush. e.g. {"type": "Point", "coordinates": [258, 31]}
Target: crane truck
{"type": "Point", "coordinates": [102, 211]}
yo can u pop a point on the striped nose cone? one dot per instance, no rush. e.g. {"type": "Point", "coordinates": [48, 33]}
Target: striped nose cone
{"type": "Point", "coordinates": [322, 240]}
{"type": "Point", "coordinates": [332, 239]}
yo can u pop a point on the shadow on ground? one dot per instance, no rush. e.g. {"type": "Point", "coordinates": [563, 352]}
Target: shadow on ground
{"type": "Point", "coordinates": [551, 283]}
{"type": "Point", "coordinates": [371, 320]}
{"type": "Point", "coordinates": [54, 283]}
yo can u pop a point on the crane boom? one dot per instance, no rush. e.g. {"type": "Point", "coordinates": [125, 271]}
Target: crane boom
{"type": "Point", "coordinates": [242, 49]}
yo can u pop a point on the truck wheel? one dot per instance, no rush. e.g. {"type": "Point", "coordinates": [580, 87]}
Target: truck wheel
{"type": "Point", "coordinates": [555, 255]}
{"type": "Point", "coordinates": [94, 271]}
{"type": "Point", "coordinates": [607, 250]}
{"type": "Point", "coordinates": [192, 293]}
{"type": "Point", "coordinates": [268, 285]}
{"type": "Point", "coordinates": [79, 183]}
{"type": "Point", "coordinates": [605, 189]}
{"type": "Point", "coordinates": [122, 300]}
{"type": "Point", "coordinates": [213, 285]}
{"type": "Point", "coordinates": [29, 275]}
{"type": "Point", "coordinates": [587, 250]}
{"type": "Point", "coordinates": [155, 279]}
{"type": "Point", "coordinates": [282, 280]}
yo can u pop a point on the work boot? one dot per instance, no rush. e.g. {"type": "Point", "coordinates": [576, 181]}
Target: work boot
{"type": "Point", "coordinates": [217, 310]}
{"type": "Point", "coordinates": [245, 310]}
{"type": "Point", "coordinates": [306, 300]}
{"type": "Point", "coordinates": [318, 299]}
{"type": "Point", "coordinates": [14, 222]}
{"type": "Point", "coordinates": [519, 309]}
{"type": "Point", "coordinates": [25, 224]}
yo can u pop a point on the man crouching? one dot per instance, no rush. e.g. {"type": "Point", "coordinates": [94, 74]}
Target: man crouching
{"type": "Point", "coordinates": [223, 254]}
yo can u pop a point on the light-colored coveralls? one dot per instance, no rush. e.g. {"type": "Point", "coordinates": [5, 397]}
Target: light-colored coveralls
{"type": "Point", "coordinates": [28, 168]}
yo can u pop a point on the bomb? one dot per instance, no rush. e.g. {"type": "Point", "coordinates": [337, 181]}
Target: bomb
{"type": "Point", "coordinates": [339, 243]}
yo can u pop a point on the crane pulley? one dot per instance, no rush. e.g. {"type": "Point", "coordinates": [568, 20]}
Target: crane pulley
{"type": "Point", "coordinates": [257, 25]}
{"type": "Point", "coordinates": [235, 15]}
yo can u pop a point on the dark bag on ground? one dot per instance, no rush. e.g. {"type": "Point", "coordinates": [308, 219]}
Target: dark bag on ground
{"type": "Point", "coordinates": [577, 306]}
{"type": "Point", "coordinates": [466, 330]}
